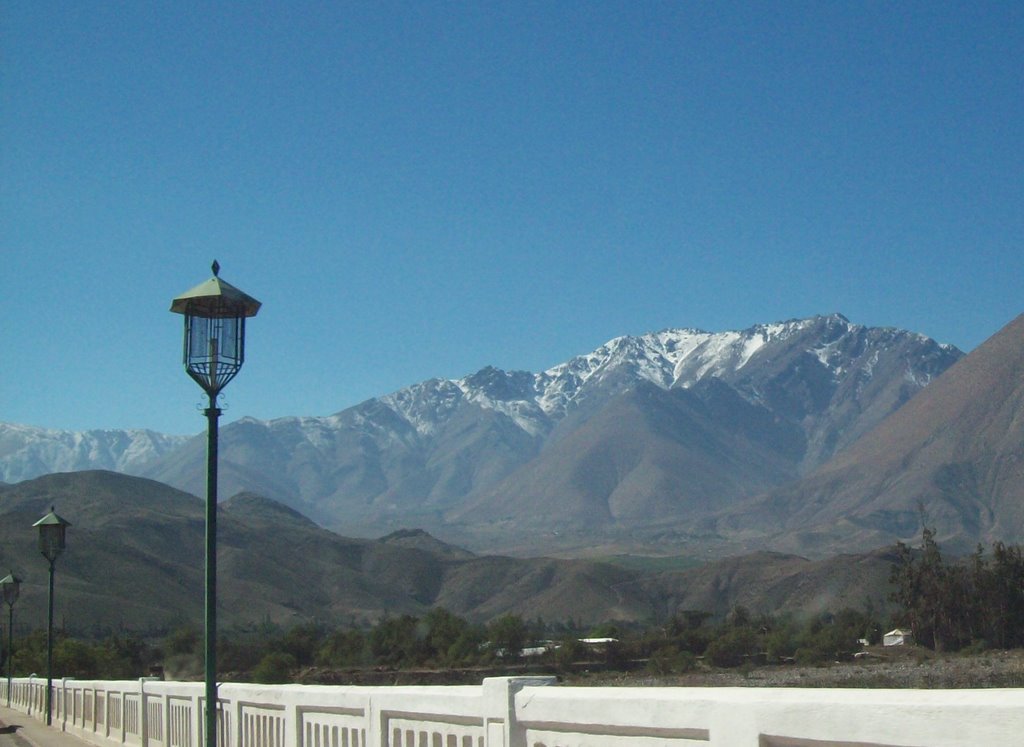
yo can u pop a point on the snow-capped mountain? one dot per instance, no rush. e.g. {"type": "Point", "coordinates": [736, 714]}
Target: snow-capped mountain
{"type": "Point", "coordinates": [668, 359]}
{"type": "Point", "coordinates": [27, 452]}
{"type": "Point", "coordinates": [770, 403]}
{"type": "Point", "coordinates": [953, 456]}
{"type": "Point", "coordinates": [648, 428]}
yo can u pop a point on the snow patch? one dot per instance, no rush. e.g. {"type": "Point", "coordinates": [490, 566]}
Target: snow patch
{"type": "Point", "coordinates": [750, 347]}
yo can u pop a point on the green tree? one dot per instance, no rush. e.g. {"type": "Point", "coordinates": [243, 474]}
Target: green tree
{"type": "Point", "coordinates": [238, 653]}
{"type": "Point", "coordinates": [782, 642]}
{"type": "Point", "coordinates": [123, 657]}
{"type": "Point", "coordinates": [739, 617]}
{"type": "Point", "coordinates": [399, 641]}
{"type": "Point", "coordinates": [733, 647]}
{"type": "Point", "coordinates": [76, 659]}
{"type": "Point", "coordinates": [444, 630]}
{"type": "Point", "coordinates": [668, 659]}
{"type": "Point", "coordinates": [183, 640]}
{"type": "Point", "coordinates": [605, 630]}
{"type": "Point", "coordinates": [686, 620]}
{"type": "Point", "coordinates": [936, 599]}
{"type": "Point", "coordinates": [343, 648]}
{"type": "Point", "coordinates": [275, 668]}
{"type": "Point", "coordinates": [113, 658]}
{"type": "Point", "coordinates": [1001, 586]}
{"type": "Point", "coordinates": [688, 632]}
{"type": "Point", "coordinates": [570, 650]}
{"type": "Point", "coordinates": [507, 634]}
{"type": "Point", "coordinates": [468, 647]}
{"type": "Point", "coordinates": [831, 637]}
{"type": "Point", "coordinates": [303, 642]}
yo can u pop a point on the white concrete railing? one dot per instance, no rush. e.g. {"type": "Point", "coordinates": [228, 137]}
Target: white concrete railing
{"type": "Point", "coordinates": [525, 712]}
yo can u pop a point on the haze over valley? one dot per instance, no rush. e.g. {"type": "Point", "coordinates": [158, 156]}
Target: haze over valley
{"type": "Point", "coordinates": [804, 439]}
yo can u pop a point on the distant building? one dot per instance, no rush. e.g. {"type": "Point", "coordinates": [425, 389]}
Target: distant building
{"type": "Point", "coordinates": [599, 645]}
{"type": "Point", "coordinates": [898, 637]}
{"type": "Point", "coordinates": [539, 650]}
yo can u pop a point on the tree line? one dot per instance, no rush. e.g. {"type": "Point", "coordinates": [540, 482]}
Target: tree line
{"type": "Point", "coordinates": [975, 602]}
{"type": "Point", "coordinates": [441, 640]}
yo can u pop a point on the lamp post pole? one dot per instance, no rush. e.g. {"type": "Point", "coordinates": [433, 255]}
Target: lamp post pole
{"type": "Point", "coordinates": [49, 651]}
{"type": "Point", "coordinates": [51, 544]}
{"type": "Point", "coordinates": [215, 312]}
{"type": "Point", "coordinates": [210, 603]}
{"type": "Point", "coordinates": [10, 650]}
{"type": "Point", "coordinates": [11, 586]}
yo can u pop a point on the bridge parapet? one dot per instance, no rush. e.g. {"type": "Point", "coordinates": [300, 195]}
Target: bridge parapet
{"type": "Point", "coordinates": [524, 712]}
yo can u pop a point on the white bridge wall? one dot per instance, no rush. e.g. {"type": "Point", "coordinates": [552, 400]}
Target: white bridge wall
{"type": "Point", "coordinates": [524, 712]}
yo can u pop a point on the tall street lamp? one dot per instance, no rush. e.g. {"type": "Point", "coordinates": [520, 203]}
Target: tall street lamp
{"type": "Point", "coordinates": [215, 312]}
{"type": "Point", "coordinates": [51, 544]}
{"type": "Point", "coordinates": [11, 587]}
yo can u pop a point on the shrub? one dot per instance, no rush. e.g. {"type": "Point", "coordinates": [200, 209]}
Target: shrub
{"type": "Point", "coordinates": [507, 634]}
{"type": "Point", "coordinates": [670, 660]}
{"type": "Point", "coordinates": [343, 648]}
{"type": "Point", "coordinates": [732, 648]}
{"type": "Point", "coordinates": [275, 668]}
{"type": "Point", "coordinates": [569, 651]}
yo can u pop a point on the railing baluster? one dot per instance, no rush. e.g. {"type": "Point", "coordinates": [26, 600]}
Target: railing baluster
{"type": "Point", "coordinates": [506, 712]}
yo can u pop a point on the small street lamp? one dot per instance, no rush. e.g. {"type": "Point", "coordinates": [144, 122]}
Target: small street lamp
{"type": "Point", "coordinates": [11, 587]}
{"type": "Point", "coordinates": [215, 312]}
{"type": "Point", "coordinates": [51, 544]}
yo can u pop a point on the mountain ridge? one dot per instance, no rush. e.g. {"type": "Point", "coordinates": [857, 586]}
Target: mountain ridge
{"type": "Point", "coordinates": [438, 453]}
{"type": "Point", "coordinates": [953, 459]}
{"type": "Point", "coordinates": [134, 562]}
{"type": "Point", "coordinates": [29, 451]}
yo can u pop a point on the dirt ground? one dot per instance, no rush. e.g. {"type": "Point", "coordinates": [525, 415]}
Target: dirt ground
{"type": "Point", "coordinates": [909, 667]}
{"type": "Point", "coordinates": [904, 668]}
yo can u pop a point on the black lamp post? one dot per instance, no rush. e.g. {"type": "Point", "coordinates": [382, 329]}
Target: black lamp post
{"type": "Point", "coordinates": [51, 544]}
{"type": "Point", "coordinates": [11, 587]}
{"type": "Point", "coordinates": [215, 312]}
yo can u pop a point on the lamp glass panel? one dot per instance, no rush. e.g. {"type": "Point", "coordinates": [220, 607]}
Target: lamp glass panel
{"type": "Point", "coordinates": [11, 591]}
{"type": "Point", "coordinates": [51, 540]}
{"type": "Point", "coordinates": [214, 349]}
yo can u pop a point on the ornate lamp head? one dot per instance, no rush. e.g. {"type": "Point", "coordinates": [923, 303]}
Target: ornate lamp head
{"type": "Point", "coordinates": [215, 312]}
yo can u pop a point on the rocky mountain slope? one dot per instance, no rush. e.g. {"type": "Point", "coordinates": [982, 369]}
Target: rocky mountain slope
{"type": "Point", "coordinates": [27, 452]}
{"type": "Point", "coordinates": [135, 552]}
{"type": "Point", "coordinates": [657, 428]}
{"type": "Point", "coordinates": [953, 457]}
{"type": "Point", "coordinates": [643, 433]}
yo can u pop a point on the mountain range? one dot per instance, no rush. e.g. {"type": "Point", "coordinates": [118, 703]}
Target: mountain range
{"type": "Point", "coordinates": [782, 442]}
{"type": "Point", "coordinates": [134, 560]}
{"type": "Point", "coordinates": [951, 458]}
{"type": "Point", "coordinates": [27, 451]}
{"type": "Point", "coordinates": [643, 439]}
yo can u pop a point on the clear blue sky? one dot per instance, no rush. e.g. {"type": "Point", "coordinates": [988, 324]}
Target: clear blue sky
{"type": "Point", "coordinates": [420, 189]}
